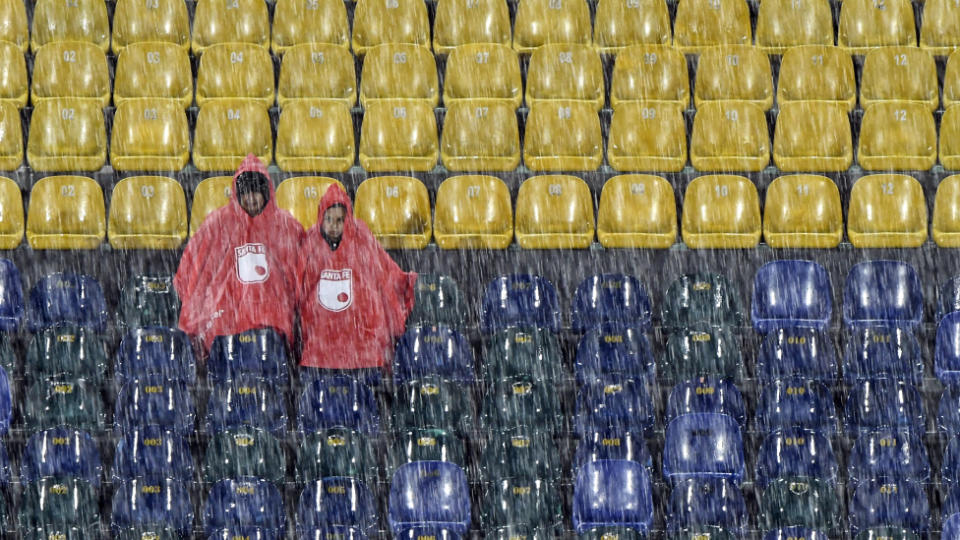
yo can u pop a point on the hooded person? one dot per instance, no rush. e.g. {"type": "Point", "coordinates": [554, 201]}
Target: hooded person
{"type": "Point", "coordinates": [354, 300]}
{"type": "Point", "coordinates": [238, 272]}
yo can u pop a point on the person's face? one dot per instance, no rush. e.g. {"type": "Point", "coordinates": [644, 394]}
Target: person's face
{"type": "Point", "coordinates": [252, 202]}
{"type": "Point", "coordinates": [333, 222]}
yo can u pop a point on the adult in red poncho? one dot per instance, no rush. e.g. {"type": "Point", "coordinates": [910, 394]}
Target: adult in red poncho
{"type": "Point", "coordinates": [354, 300]}
{"type": "Point", "coordinates": [238, 271]}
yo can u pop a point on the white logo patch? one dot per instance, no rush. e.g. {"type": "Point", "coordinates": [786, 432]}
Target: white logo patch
{"type": "Point", "coordinates": [335, 289]}
{"type": "Point", "coordinates": [252, 264]}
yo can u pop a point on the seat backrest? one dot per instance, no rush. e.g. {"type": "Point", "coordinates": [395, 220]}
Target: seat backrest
{"type": "Point", "coordinates": [426, 444]}
{"type": "Point", "coordinates": [53, 402]}
{"type": "Point", "coordinates": [148, 351]}
{"type": "Point", "coordinates": [245, 503]}
{"type": "Point", "coordinates": [438, 300]}
{"type": "Point", "coordinates": [244, 453]}
{"type": "Point", "coordinates": [140, 502]}
{"type": "Point", "coordinates": [61, 453]}
{"type": "Point", "coordinates": [150, 451]}
{"type": "Point", "coordinates": [614, 403]}
{"type": "Point", "coordinates": [431, 402]}
{"type": "Point", "coordinates": [337, 501]}
{"type": "Point", "coordinates": [11, 299]}
{"type": "Point", "coordinates": [946, 363]}
{"type": "Point", "coordinates": [800, 501]}
{"type": "Point", "coordinates": [520, 453]}
{"type": "Point", "coordinates": [703, 445]}
{"type": "Point", "coordinates": [706, 395]}
{"type": "Point", "coordinates": [429, 492]}
{"type": "Point", "coordinates": [612, 493]}
{"type": "Point", "coordinates": [612, 445]}
{"type": "Point", "coordinates": [336, 452]}
{"type": "Point", "coordinates": [888, 454]}
{"type": "Point", "coordinates": [519, 300]}
{"type": "Point", "coordinates": [884, 403]}
{"type": "Point", "coordinates": [795, 452]}
{"type": "Point", "coordinates": [702, 350]}
{"type": "Point", "coordinates": [66, 297]}
{"type": "Point", "coordinates": [59, 504]}
{"type": "Point", "coordinates": [155, 401]}
{"type": "Point", "coordinates": [797, 352]}
{"type": "Point", "coordinates": [522, 402]}
{"type": "Point", "coordinates": [610, 298]}
{"type": "Point", "coordinates": [516, 352]}
{"type": "Point", "coordinates": [615, 349]}
{"type": "Point", "coordinates": [701, 297]}
{"type": "Point", "coordinates": [882, 352]}
{"type": "Point", "coordinates": [246, 402]}
{"type": "Point", "coordinates": [433, 350]}
{"type": "Point", "coordinates": [66, 351]}
{"type": "Point", "coordinates": [533, 502]}
{"type": "Point", "coordinates": [260, 353]}
{"type": "Point", "coordinates": [149, 300]}
{"type": "Point", "coordinates": [877, 503]}
{"type": "Point", "coordinates": [338, 402]}
{"type": "Point", "coordinates": [698, 502]}
{"type": "Point", "coordinates": [884, 293]}
{"type": "Point", "coordinates": [791, 293]}
{"type": "Point", "coordinates": [796, 402]}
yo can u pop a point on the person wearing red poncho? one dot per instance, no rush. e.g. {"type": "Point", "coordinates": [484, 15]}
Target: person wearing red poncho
{"type": "Point", "coordinates": [238, 272]}
{"type": "Point", "coordinates": [354, 299]}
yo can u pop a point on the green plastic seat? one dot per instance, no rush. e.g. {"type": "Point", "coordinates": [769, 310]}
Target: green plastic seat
{"type": "Point", "coordinates": [140, 533]}
{"type": "Point", "coordinates": [520, 453]}
{"type": "Point", "coordinates": [8, 358]}
{"type": "Point", "coordinates": [701, 297]}
{"type": "Point", "coordinates": [70, 533]}
{"type": "Point", "coordinates": [522, 402]}
{"type": "Point", "coordinates": [518, 532]}
{"type": "Point", "coordinates": [703, 532]}
{"type": "Point", "coordinates": [611, 533]}
{"type": "Point", "coordinates": [701, 350]}
{"type": "Point", "coordinates": [532, 352]}
{"type": "Point", "coordinates": [426, 445]}
{"type": "Point", "coordinates": [529, 502]}
{"type": "Point", "coordinates": [433, 403]}
{"type": "Point", "coordinates": [800, 502]}
{"type": "Point", "coordinates": [149, 300]}
{"type": "Point", "coordinates": [438, 300]}
{"type": "Point", "coordinates": [51, 402]}
{"type": "Point", "coordinates": [66, 351]}
{"type": "Point", "coordinates": [59, 505]}
{"type": "Point", "coordinates": [336, 452]}
{"type": "Point", "coordinates": [886, 533]}
{"type": "Point", "coordinates": [244, 453]}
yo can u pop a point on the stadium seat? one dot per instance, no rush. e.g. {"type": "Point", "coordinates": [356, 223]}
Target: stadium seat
{"type": "Point", "coordinates": [950, 466]}
{"type": "Point", "coordinates": [621, 224]}
{"type": "Point", "coordinates": [148, 212]}
{"type": "Point", "coordinates": [519, 300]}
{"type": "Point", "coordinates": [650, 73]}
{"type": "Point", "coordinates": [562, 136]}
{"type": "Point", "coordinates": [734, 73]}
{"type": "Point", "coordinates": [150, 135]}
{"type": "Point", "coordinates": [209, 195]}
{"type": "Point", "coordinates": [885, 293]}
{"type": "Point", "coordinates": [817, 73]}
{"type": "Point", "coordinates": [437, 300]}
{"type": "Point", "coordinates": [153, 70]}
{"type": "Point", "coordinates": [522, 402]}
{"type": "Point", "coordinates": [796, 403]}
{"type": "Point", "coordinates": [52, 506]}
{"type": "Point", "coordinates": [317, 71]}
{"type": "Point", "coordinates": [315, 135]}
{"type": "Point", "coordinates": [426, 444]}
{"type": "Point", "coordinates": [300, 195]}
{"type": "Point", "coordinates": [946, 364]}
{"type": "Point", "coordinates": [51, 403]}
{"type": "Point", "coordinates": [401, 21]}
{"type": "Point", "coordinates": [66, 134]}
{"type": "Point", "coordinates": [706, 395]}
{"type": "Point", "coordinates": [154, 401]}
{"type": "Point", "coordinates": [621, 24]}
{"type": "Point", "coordinates": [802, 210]}
{"type": "Point", "coordinates": [796, 453]}
{"type": "Point", "coordinates": [66, 351]}
{"type": "Point", "coordinates": [884, 403]}
{"type": "Point", "coordinates": [61, 453]}
{"type": "Point", "coordinates": [729, 136]}
{"type": "Point", "coordinates": [6, 407]}
{"type": "Point", "coordinates": [151, 452]}
{"type": "Point", "coordinates": [235, 70]}
{"type": "Point", "coordinates": [606, 445]}
{"type": "Point", "coordinates": [246, 402]}
{"type": "Point", "coordinates": [138, 22]}
{"type": "Point", "coordinates": [150, 507]}
{"type": "Point", "coordinates": [245, 452]}
{"type": "Point", "coordinates": [948, 411]}
{"type": "Point", "coordinates": [336, 452]}
{"type": "Point", "coordinates": [884, 503]}
{"type": "Point", "coordinates": [897, 136]}
{"type": "Point", "coordinates": [714, 531]}
{"type": "Point", "coordinates": [458, 23]}
{"type": "Point", "coordinates": [296, 22]}
{"type": "Point", "coordinates": [433, 493]}
{"type": "Point", "coordinates": [231, 532]}
{"type": "Point", "coordinates": [66, 212]}
{"type": "Point", "coordinates": [236, 21]}
{"type": "Point", "coordinates": [11, 147]}
{"type": "Point", "coordinates": [531, 502]}
{"type": "Point", "coordinates": [949, 151]}
{"type": "Point", "coordinates": [938, 33]}
{"type": "Point", "coordinates": [473, 212]}
{"type": "Point", "coordinates": [611, 493]}
{"type": "Point", "coordinates": [904, 73]}
{"type": "Point", "coordinates": [614, 298]}
{"type": "Point", "coordinates": [398, 135]}
{"type": "Point", "coordinates": [13, 21]}
{"type": "Point", "coordinates": [894, 533]}
{"type": "Point", "coordinates": [541, 22]}
{"type": "Point", "coordinates": [259, 353]}
{"type": "Point", "coordinates": [782, 25]}
{"type": "Point", "coordinates": [948, 297]}
{"type": "Point", "coordinates": [812, 136]}
{"type": "Point", "coordinates": [524, 453]}
{"type": "Point", "coordinates": [888, 455]}
{"type": "Point", "coordinates": [899, 199]}
{"type": "Point", "coordinates": [800, 502]}
{"type": "Point", "coordinates": [397, 210]}
{"type": "Point", "coordinates": [707, 504]}
{"type": "Point", "coordinates": [700, 24]}
{"type": "Point", "coordinates": [701, 297]}
{"type": "Point", "coordinates": [66, 297]}
{"type": "Point", "coordinates": [246, 503]}
{"type": "Point", "coordinates": [337, 401]}
{"type": "Point", "coordinates": [700, 350]}
{"type": "Point", "coordinates": [647, 137]}
{"type": "Point", "coordinates": [14, 85]}
{"type": "Point", "coordinates": [703, 445]}
{"type": "Point", "coordinates": [229, 129]}
{"type": "Point", "coordinates": [425, 351]}
{"type": "Point", "coordinates": [615, 404]}
{"type": "Point", "coordinates": [868, 24]}
{"type": "Point", "coordinates": [721, 211]}
{"type": "Point", "coordinates": [951, 81]}
{"type": "Point", "coordinates": [337, 501]}
{"type": "Point", "coordinates": [791, 294]}
{"type": "Point", "coordinates": [83, 20]}
{"type": "Point", "coordinates": [482, 71]}
{"type": "Point", "coordinates": [480, 135]}
{"type": "Point", "coordinates": [433, 403]}
{"type": "Point", "coordinates": [797, 352]}
{"type": "Point", "coordinates": [11, 222]}
{"type": "Point", "coordinates": [527, 351]}
{"type": "Point", "coordinates": [554, 212]}
{"type": "Point", "coordinates": [565, 71]}
{"type": "Point", "coordinates": [399, 71]}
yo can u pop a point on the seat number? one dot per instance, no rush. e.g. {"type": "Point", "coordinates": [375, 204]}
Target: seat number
{"type": "Point", "coordinates": [880, 4]}
{"type": "Point", "coordinates": [563, 113]}
{"type": "Point", "coordinates": [67, 114]}
{"type": "Point", "coordinates": [472, 4]}
{"type": "Point", "coordinates": [803, 189]}
{"type": "Point", "coordinates": [817, 59]}
{"type": "Point", "coordinates": [68, 190]}
{"type": "Point", "coordinates": [638, 189]}
{"type": "Point", "coordinates": [900, 59]}
{"type": "Point", "coordinates": [153, 57]}
{"type": "Point", "coordinates": [722, 191]}
{"type": "Point", "coordinates": [484, 57]}
{"type": "Point", "coordinates": [310, 192]}
{"type": "Point", "coordinates": [233, 4]}
{"type": "Point", "coordinates": [147, 192]}
{"type": "Point", "coordinates": [316, 112]}
{"type": "Point", "coordinates": [651, 58]}
{"type": "Point", "coordinates": [233, 114]}
{"type": "Point", "coordinates": [70, 56]}
{"type": "Point", "coordinates": [236, 57]}
{"type": "Point", "coordinates": [714, 4]}
{"type": "Point", "coordinates": [886, 188]}
{"type": "Point", "coordinates": [150, 114]}
{"type": "Point", "coordinates": [226, 192]}
{"type": "Point", "coordinates": [565, 57]}
{"type": "Point", "coordinates": [733, 59]}
{"type": "Point", "coordinates": [633, 4]}
{"type": "Point", "coordinates": [393, 192]}
{"type": "Point", "coordinates": [73, 3]}
{"type": "Point", "coordinates": [153, 4]}
{"type": "Point", "coordinates": [732, 115]}
{"type": "Point", "coordinates": [482, 112]}
{"type": "Point", "coordinates": [648, 113]}
{"type": "Point", "coordinates": [393, 4]}
{"type": "Point", "coordinates": [555, 4]}
{"type": "Point", "coordinates": [473, 192]}
{"type": "Point", "coordinates": [400, 58]}
{"type": "Point", "coordinates": [399, 112]}
{"type": "Point", "coordinates": [317, 57]}
{"type": "Point", "coordinates": [555, 190]}
{"type": "Point", "coordinates": [900, 115]}
{"type": "Point", "coordinates": [313, 5]}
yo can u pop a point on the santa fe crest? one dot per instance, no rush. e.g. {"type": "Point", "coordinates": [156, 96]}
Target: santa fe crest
{"type": "Point", "coordinates": [252, 264]}
{"type": "Point", "coordinates": [335, 289]}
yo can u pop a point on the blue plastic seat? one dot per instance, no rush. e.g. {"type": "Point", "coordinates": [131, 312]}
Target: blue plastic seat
{"type": "Point", "coordinates": [948, 411]}
{"type": "Point", "coordinates": [616, 298]}
{"type": "Point", "coordinates": [791, 294]}
{"type": "Point", "coordinates": [433, 493]}
{"type": "Point", "coordinates": [6, 402]}
{"type": "Point", "coordinates": [433, 351]}
{"type": "Point", "coordinates": [888, 455]}
{"type": "Point", "coordinates": [338, 401]}
{"type": "Point", "coordinates": [66, 297]}
{"type": "Point", "coordinates": [884, 403]}
{"type": "Point", "coordinates": [155, 401]}
{"type": "Point", "coordinates": [946, 358]}
{"type": "Point", "coordinates": [794, 533]}
{"type": "Point", "coordinates": [704, 445]}
{"type": "Point", "coordinates": [61, 453]}
{"type": "Point", "coordinates": [232, 532]}
{"type": "Point", "coordinates": [796, 452]}
{"type": "Point", "coordinates": [155, 351]}
{"type": "Point", "coordinates": [612, 445]}
{"type": "Point", "coordinates": [949, 511]}
{"type": "Point", "coordinates": [612, 493]}
{"type": "Point", "coordinates": [522, 403]}
{"type": "Point", "coordinates": [151, 452]}
{"type": "Point", "coordinates": [951, 526]}
{"type": "Point", "coordinates": [246, 402]}
{"type": "Point", "coordinates": [261, 352]}
{"type": "Point", "coordinates": [706, 395]}
{"type": "Point", "coordinates": [337, 502]}
{"type": "Point", "coordinates": [796, 403]}
{"type": "Point", "coordinates": [334, 532]}
{"type": "Point", "coordinates": [243, 503]}
{"type": "Point", "coordinates": [519, 300]}
{"type": "Point", "coordinates": [11, 296]}
{"type": "Point", "coordinates": [614, 404]}
{"type": "Point", "coordinates": [700, 502]}
{"type": "Point", "coordinates": [149, 505]}
{"type": "Point", "coordinates": [877, 503]}
{"type": "Point", "coordinates": [797, 352]}
{"type": "Point", "coordinates": [614, 349]}
{"type": "Point", "coordinates": [882, 352]}
{"type": "Point", "coordinates": [525, 501]}
{"type": "Point", "coordinates": [882, 293]}
{"type": "Point", "coordinates": [948, 297]}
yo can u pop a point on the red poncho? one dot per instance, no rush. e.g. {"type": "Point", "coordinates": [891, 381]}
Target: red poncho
{"type": "Point", "coordinates": [353, 301]}
{"type": "Point", "coordinates": [239, 272]}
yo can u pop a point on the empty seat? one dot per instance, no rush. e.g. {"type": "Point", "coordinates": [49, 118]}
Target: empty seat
{"type": "Point", "coordinates": [791, 294]}
{"type": "Point", "coordinates": [229, 129]}
{"type": "Point", "coordinates": [152, 452]}
{"type": "Point", "coordinates": [66, 212]}
{"type": "Point", "coordinates": [783, 24]}
{"type": "Point", "coordinates": [882, 352]}
{"type": "Point", "coordinates": [398, 135]}
{"type": "Point", "coordinates": [524, 453]}
{"type": "Point", "coordinates": [706, 395]}
{"type": "Point", "coordinates": [459, 23]}
{"type": "Point", "coordinates": [701, 297]}
{"type": "Point", "coordinates": [800, 502]}
{"type": "Point", "coordinates": [337, 402]}
{"type": "Point", "coordinates": [151, 507]}
{"type": "Point", "coordinates": [867, 24]}
{"type": "Point", "coordinates": [315, 135]}
{"type": "Point", "coordinates": [887, 210]}
{"type": "Point", "coordinates": [522, 402]}
{"type": "Point", "coordinates": [399, 70]}
{"type": "Point", "coordinates": [244, 503]}
{"type": "Point", "coordinates": [562, 136]}
{"type": "Point", "coordinates": [951, 81]}
{"type": "Point", "coordinates": [796, 453]}
{"type": "Point", "coordinates": [700, 24]}
{"type": "Point", "coordinates": [897, 136]}
{"type": "Point", "coordinates": [473, 212]}
{"type": "Point", "coordinates": [6, 412]}
{"type": "Point", "coordinates": [812, 136]}
{"type": "Point", "coordinates": [567, 71]}
{"type": "Point", "coordinates": [707, 505]}
{"type": "Point", "coordinates": [528, 501]}
{"type": "Point", "coordinates": [621, 223]}
{"type": "Point", "coordinates": [480, 135]}
{"type": "Point", "coordinates": [647, 137]}
{"type": "Point", "coordinates": [949, 467]}
{"type": "Point", "coordinates": [554, 212]}
{"type": "Point", "coordinates": [431, 402]}
{"type": "Point", "coordinates": [150, 135]}
{"type": "Point", "coordinates": [437, 300]}
{"type": "Point", "coordinates": [244, 453]}
{"type": "Point", "coordinates": [796, 403]}
{"type": "Point", "coordinates": [336, 452]}
{"type": "Point", "coordinates": [153, 70]}
{"type": "Point", "coordinates": [614, 404]}
{"type": "Point", "coordinates": [948, 410]}
{"type": "Point", "coordinates": [433, 351]}
{"type": "Point", "coordinates": [426, 444]}
{"type": "Point", "coordinates": [817, 73]}
{"type": "Point", "coordinates": [729, 136]}
{"type": "Point", "coordinates": [52, 403]}
{"type": "Point", "coordinates": [83, 20]}
{"type": "Point", "coordinates": [938, 33]}
{"type": "Point", "coordinates": [14, 85]}
{"type": "Point", "coordinates": [721, 211]}
{"type": "Point", "coordinates": [699, 350]}
{"type": "Point", "coordinates": [148, 212]}
{"type": "Point", "coordinates": [338, 502]}
{"type": "Point", "coordinates": [55, 506]}
{"type": "Point", "coordinates": [519, 300]}
{"type": "Point", "coordinates": [235, 70]}
{"type": "Point", "coordinates": [612, 493]}
{"type": "Point", "coordinates": [234, 21]}
{"type": "Point", "coordinates": [13, 15]}
{"type": "Point", "coordinates": [886, 293]}
{"type": "Point", "coordinates": [11, 134]}
{"type": "Point", "coordinates": [949, 129]}
{"type": "Point", "coordinates": [734, 73]}
{"type": "Point", "coordinates": [541, 22]}
{"type": "Point", "coordinates": [802, 211]}
{"type": "Point", "coordinates": [898, 533]}
{"type": "Point", "coordinates": [397, 210]}
{"type": "Point", "coordinates": [154, 400]}
{"type": "Point", "coordinates": [948, 297]}
{"type": "Point", "coordinates": [317, 71]}
{"type": "Point", "coordinates": [246, 402]}
{"type": "Point", "coordinates": [66, 351]}
{"type": "Point", "coordinates": [619, 24]}
{"type": "Point", "coordinates": [259, 353]}
{"type": "Point", "coordinates": [888, 455]}
{"type": "Point", "coordinates": [300, 195]}
{"type": "Point", "coordinates": [61, 453]}
{"type": "Point", "coordinates": [209, 195]}
{"type": "Point", "coordinates": [527, 351]}
{"type": "Point", "coordinates": [607, 445]}
{"type": "Point", "coordinates": [432, 493]}
{"type": "Point", "coordinates": [400, 21]}
{"type": "Point", "coordinates": [483, 71]}
{"type": "Point", "coordinates": [617, 298]}
{"type": "Point", "coordinates": [67, 134]}
{"type": "Point", "coordinates": [884, 403]}
{"type": "Point", "coordinates": [899, 74]}
{"type": "Point", "coordinates": [884, 503]}
{"type": "Point", "coordinates": [650, 73]}
{"type": "Point", "coordinates": [703, 445]}
{"type": "Point", "coordinates": [66, 298]}
{"type": "Point", "coordinates": [138, 22]}
{"type": "Point", "coordinates": [947, 351]}
{"type": "Point", "coordinates": [297, 21]}
{"type": "Point", "coordinates": [11, 222]}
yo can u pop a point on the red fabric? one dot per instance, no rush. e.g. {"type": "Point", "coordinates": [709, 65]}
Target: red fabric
{"type": "Point", "coordinates": [353, 301]}
{"type": "Point", "coordinates": [239, 272]}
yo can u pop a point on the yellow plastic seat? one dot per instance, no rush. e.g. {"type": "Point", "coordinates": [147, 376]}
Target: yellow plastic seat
{"type": "Point", "coordinates": [70, 69]}
{"type": "Point", "coordinates": [473, 212]}
{"type": "Point", "coordinates": [14, 87]}
{"type": "Point", "coordinates": [899, 74]}
{"type": "Point", "coordinates": [67, 134]}
{"type": "Point", "coordinates": [153, 70]}
{"type": "Point", "coordinates": [782, 24]}
{"type": "Point", "coordinates": [802, 211]}
{"type": "Point", "coordinates": [812, 136]}
{"type": "Point", "coordinates": [866, 24]}
{"type": "Point", "coordinates": [946, 213]}
{"type": "Point", "coordinates": [897, 136]}
{"type": "Point", "coordinates": [376, 22]}
{"type": "Point", "coordinates": [480, 135]}
{"type": "Point", "coordinates": [235, 70]}
{"type": "Point", "coordinates": [150, 135]}
{"type": "Point", "coordinates": [13, 24]}
{"type": "Point", "coordinates": [950, 138]}
{"type": "Point", "coordinates": [139, 21]}
{"type": "Point", "coordinates": [621, 23]}
{"type": "Point", "coordinates": [399, 70]}
{"type": "Point", "coordinates": [734, 73]}
{"type": "Point", "coordinates": [11, 214]}
{"type": "Point", "coordinates": [637, 211]}
{"type": "Point", "coordinates": [540, 22]}
{"type": "Point", "coordinates": [296, 22]}
{"type": "Point", "coordinates": [940, 31]}
{"type": "Point", "coordinates": [554, 211]}
{"type": "Point", "coordinates": [563, 136]}
{"type": "Point", "coordinates": [721, 211]}
{"type": "Point", "coordinates": [397, 210]}
{"type": "Point", "coordinates": [317, 71]}
{"type": "Point", "coordinates": [565, 71]}
{"type": "Point", "coordinates": [229, 129]}
{"type": "Point", "coordinates": [301, 196]}
{"type": "Point", "coordinates": [817, 73]}
{"type": "Point", "coordinates": [647, 137]}
{"type": "Point", "coordinates": [705, 23]}
{"type": "Point", "coordinates": [951, 81]}
{"type": "Point", "coordinates": [887, 210]}
{"type": "Point", "coordinates": [73, 20]}
{"type": "Point", "coordinates": [729, 136]}
{"type": "Point", "coordinates": [147, 212]}
{"type": "Point", "coordinates": [209, 195]}
{"type": "Point", "coordinates": [650, 73]}
{"type": "Point", "coordinates": [460, 22]}
{"type": "Point", "coordinates": [398, 135]}
{"type": "Point", "coordinates": [230, 21]}
{"type": "Point", "coordinates": [483, 71]}
{"type": "Point", "coordinates": [315, 136]}
{"type": "Point", "coordinates": [11, 138]}
{"type": "Point", "coordinates": [66, 212]}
